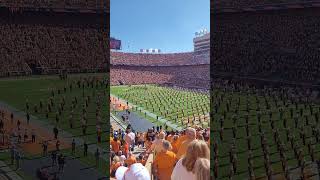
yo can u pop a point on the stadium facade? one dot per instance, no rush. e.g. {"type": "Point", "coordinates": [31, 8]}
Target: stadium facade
{"type": "Point", "coordinates": [202, 47]}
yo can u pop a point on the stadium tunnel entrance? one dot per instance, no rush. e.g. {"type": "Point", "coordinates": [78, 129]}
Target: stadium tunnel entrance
{"type": "Point", "coordinates": [36, 70]}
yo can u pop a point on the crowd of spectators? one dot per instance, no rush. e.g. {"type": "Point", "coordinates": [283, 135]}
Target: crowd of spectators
{"type": "Point", "coordinates": [121, 58]}
{"type": "Point", "coordinates": [250, 3]}
{"type": "Point", "coordinates": [176, 69]}
{"type": "Point", "coordinates": [176, 155]}
{"type": "Point", "coordinates": [278, 45]}
{"type": "Point", "coordinates": [83, 4]}
{"type": "Point", "coordinates": [292, 92]}
{"type": "Point", "coordinates": [194, 76]}
{"type": "Point", "coordinates": [51, 47]}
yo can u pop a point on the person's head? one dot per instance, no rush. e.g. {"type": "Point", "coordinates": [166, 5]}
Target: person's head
{"type": "Point", "coordinates": [115, 138]}
{"type": "Point", "coordinates": [140, 158]}
{"type": "Point", "coordinates": [119, 153]}
{"type": "Point", "coordinates": [191, 133]}
{"type": "Point", "coordinates": [136, 171]}
{"type": "Point", "coordinates": [162, 135]}
{"type": "Point", "coordinates": [196, 149]}
{"type": "Point", "coordinates": [166, 145]}
{"type": "Point", "coordinates": [120, 172]}
{"type": "Point", "coordinates": [175, 137]}
{"type": "Point", "coordinates": [202, 169]}
{"type": "Point", "coordinates": [116, 159]}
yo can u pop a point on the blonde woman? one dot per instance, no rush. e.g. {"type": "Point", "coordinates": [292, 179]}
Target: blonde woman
{"type": "Point", "coordinates": [184, 167]}
{"type": "Point", "coordinates": [202, 169]}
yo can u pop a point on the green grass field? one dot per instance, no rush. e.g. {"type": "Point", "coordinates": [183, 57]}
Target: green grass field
{"type": "Point", "coordinates": [235, 107]}
{"type": "Point", "coordinates": [16, 91]}
{"type": "Point", "coordinates": [175, 105]}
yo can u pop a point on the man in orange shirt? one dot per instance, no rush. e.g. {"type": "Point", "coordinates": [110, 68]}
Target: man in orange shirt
{"type": "Point", "coordinates": [164, 162]}
{"type": "Point", "coordinates": [181, 138]}
{"type": "Point", "coordinates": [190, 136]}
{"type": "Point", "coordinates": [125, 148]}
{"type": "Point", "coordinates": [174, 143]}
{"type": "Point", "coordinates": [115, 145]}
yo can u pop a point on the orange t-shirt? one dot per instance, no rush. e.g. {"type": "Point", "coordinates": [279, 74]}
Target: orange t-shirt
{"type": "Point", "coordinates": [115, 146]}
{"type": "Point", "coordinates": [126, 148]}
{"type": "Point", "coordinates": [130, 160]}
{"type": "Point", "coordinates": [183, 148]}
{"type": "Point", "coordinates": [164, 162]}
{"type": "Point", "coordinates": [180, 140]}
{"type": "Point", "coordinates": [114, 166]}
{"type": "Point", "coordinates": [174, 146]}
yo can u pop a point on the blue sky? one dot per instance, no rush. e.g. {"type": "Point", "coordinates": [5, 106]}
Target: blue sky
{"type": "Point", "coordinates": [168, 25]}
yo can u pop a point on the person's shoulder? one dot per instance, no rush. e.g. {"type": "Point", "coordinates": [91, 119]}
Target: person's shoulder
{"type": "Point", "coordinates": [171, 153]}
{"type": "Point", "coordinates": [179, 163]}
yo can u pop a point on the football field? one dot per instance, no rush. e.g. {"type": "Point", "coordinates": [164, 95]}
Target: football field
{"type": "Point", "coordinates": [181, 107]}
{"type": "Point", "coordinates": [80, 100]}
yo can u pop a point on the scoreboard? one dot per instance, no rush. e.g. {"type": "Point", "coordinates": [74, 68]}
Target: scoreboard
{"type": "Point", "coordinates": [115, 44]}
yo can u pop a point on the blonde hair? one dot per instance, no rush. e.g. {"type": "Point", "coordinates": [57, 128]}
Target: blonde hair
{"type": "Point", "coordinates": [196, 149]}
{"type": "Point", "coordinates": [202, 169]}
{"type": "Point", "coordinates": [116, 159]}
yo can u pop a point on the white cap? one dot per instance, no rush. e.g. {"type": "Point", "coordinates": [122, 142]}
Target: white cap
{"type": "Point", "coordinates": [120, 172]}
{"type": "Point", "coordinates": [137, 172]}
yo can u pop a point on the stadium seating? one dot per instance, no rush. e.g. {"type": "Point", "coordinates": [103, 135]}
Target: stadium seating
{"type": "Point", "coordinates": [278, 45]}
{"type": "Point", "coordinates": [180, 69]}
{"type": "Point", "coordinates": [249, 3]}
{"type": "Point", "coordinates": [51, 48]}
{"type": "Point", "coordinates": [193, 76]}
{"type": "Point", "coordinates": [152, 59]}
{"type": "Point", "coordinates": [84, 4]}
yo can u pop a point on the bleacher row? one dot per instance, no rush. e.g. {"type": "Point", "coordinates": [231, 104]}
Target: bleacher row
{"type": "Point", "coordinates": [77, 4]}
{"type": "Point", "coordinates": [281, 45]}
{"type": "Point", "coordinates": [140, 59]}
{"type": "Point", "coordinates": [193, 76]}
{"type": "Point", "coordinates": [49, 47]}
{"type": "Point", "coordinates": [251, 3]}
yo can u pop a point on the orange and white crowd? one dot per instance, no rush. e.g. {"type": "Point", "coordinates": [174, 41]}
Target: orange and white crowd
{"type": "Point", "coordinates": [195, 76]}
{"type": "Point", "coordinates": [176, 155]}
{"type": "Point", "coordinates": [141, 59]}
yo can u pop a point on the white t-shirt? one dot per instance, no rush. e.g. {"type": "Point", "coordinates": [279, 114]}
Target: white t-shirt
{"type": "Point", "coordinates": [129, 138]}
{"type": "Point", "coordinates": [181, 173]}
